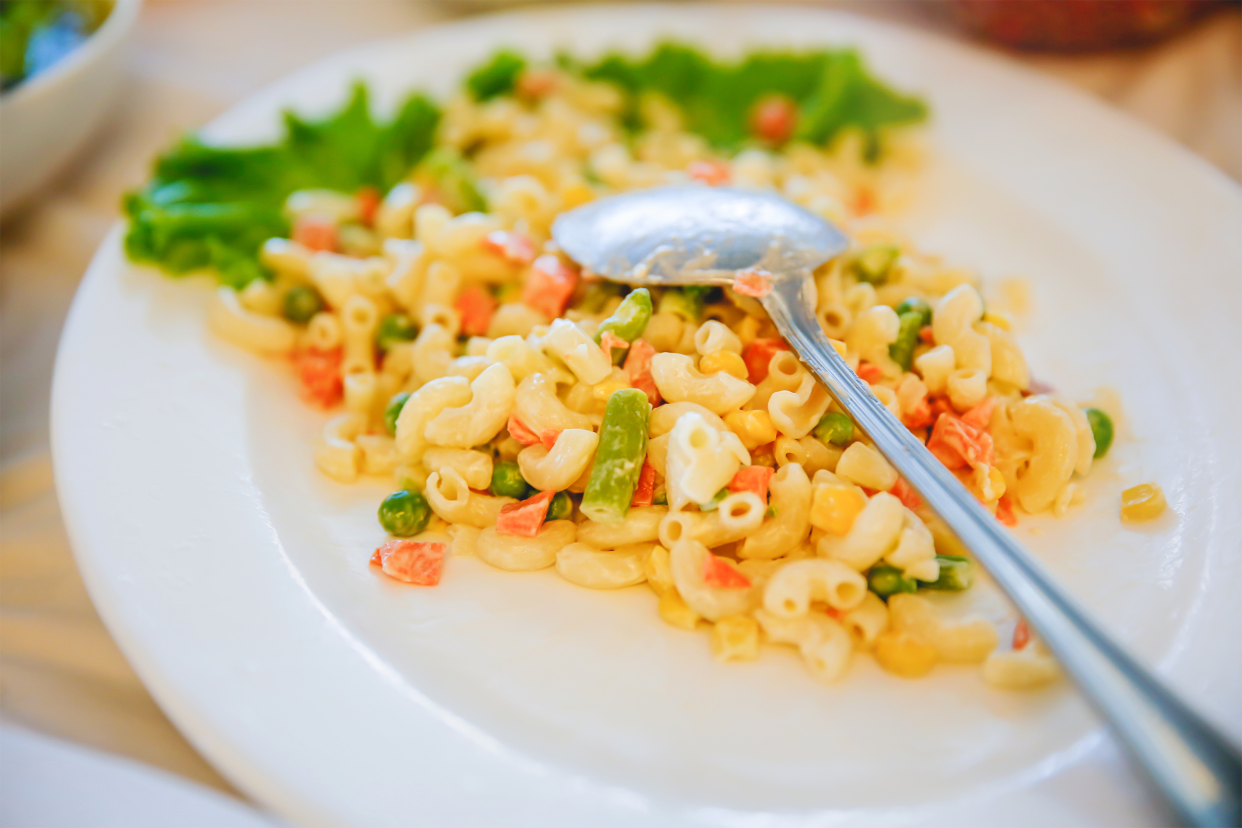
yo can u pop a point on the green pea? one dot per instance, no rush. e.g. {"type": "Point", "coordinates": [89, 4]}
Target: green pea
{"type": "Point", "coordinates": [836, 428]}
{"type": "Point", "coordinates": [507, 480]}
{"type": "Point", "coordinates": [956, 573]}
{"type": "Point", "coordinates": [394, 328]}
{"type": "Point", "coordinates": [874, 262]}
{"type": "Point", "coordinates": [1101, 429]}
{"type": "Point", "coordinates": [902, 349]}
{"type": "Point", "coordinates": [301, 302]}
{"type": "Point", "coordinates": [561, 507]}
{"type": "Point", "coordinates": [885, 580]}
{"type": "Point", "coordinates": [393, 411]}
{"type": "Point", "coordinates": [914, 304]}
{"type": "Point", "coordinates": [404, 513]}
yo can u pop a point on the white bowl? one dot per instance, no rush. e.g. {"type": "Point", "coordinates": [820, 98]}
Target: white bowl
{"type": "Point", "coordinates": [45, 120]}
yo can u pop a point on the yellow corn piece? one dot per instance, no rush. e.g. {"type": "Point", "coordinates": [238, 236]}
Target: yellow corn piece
{"type": "Point", "coordinates": [735, 638]}
{"type": "Point", "coordinates": [575, 193]}
{"type": "Point", "coordinates": [838, 346]}
{"type": "Point", "coordinates": [613, 382]}
{"type": "Point", "coordinates": [904, 654]}
{"type": "Point", "coordinates": [753, 428]}
{"type": "Point", "coordinates": [726, 361]}
{"type": "Point", "coordinates": [674, 611]}
{"type": "Point", "coordinates": [834, 508]}
{"type": "Point", "coordinates": [1000, 319]}
{"type": "Point", "coordinates": [1142, 502]}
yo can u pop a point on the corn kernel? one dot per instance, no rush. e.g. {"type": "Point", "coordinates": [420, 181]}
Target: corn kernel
{"type": "Point", "coordinates": [674, 611]}
{"type": "Point", "coordinates": [726, 361]}
{"type": "Point", "coordinates": [1000, 319]}
{"type": "Point", "coordinates": [904, 654]}
{"type": "Point", "coordinates": [753, 428]}
{"type": "Point", "coordinates": [1142, 502]}
{"type": "Point", "coordinates": [838, 346]}
{"type": "Point", "coordinates": [735, 638]}
{"type": "Point", "coordinates": [834, 508]}
{"type": "Point", "coordinates": [575, 193]}
{"type": "Point", "coordinates": [613, 382]}
{"type": "Point", "coordinates": [659, 576]}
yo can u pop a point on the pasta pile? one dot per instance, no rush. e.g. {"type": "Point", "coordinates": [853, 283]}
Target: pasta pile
{"type": "Point", "coordinates": [536, 416]}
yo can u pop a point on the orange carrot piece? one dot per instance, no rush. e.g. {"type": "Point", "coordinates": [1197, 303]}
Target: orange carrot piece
{"type": "Point", "coordinates": [549, 285]}
{"type": "Point", "coordinates": [475, 305]}
{"type": "Point", "coordinates": [773, 119]}
{"type": "Point", "coordinates": [524, 518]}
{"type": "Point", "coordinates": [956, 443]}
{"type": "Point", "coordinates": [719, 573]}
{"type": "Point", "coordinates": [410, 561]}
{"type": "Point", "coordinates": [644, 492]}
{"type": "Point", "coordinates": [638, 368]}
{"type": "Point", "coordinates": [1004, 512]}
{"type": "Point", "coordinates": [908, 496]}
{"type": "Point", "coordinates": [981, 414]}
{"type": "Point", "coordinates": [870, 373]}
{"type": "Point", "coordinates": [368, 200]}
{"type": "Point", "coordinates": [752, 479]}
{"type": "Point", "coordinates": [319, 373]}
{"type": "Point", "coordinates": [925, 334]}
{"type": "Point", "coordinates": [548, 436]}
{"type": "Point", "coordinates": [518, 431]}
{"type": "Point", "coordinates": [511, 245]}
{"type": "Point", "coordinates": [758, 355]}
{"type": "Point", "coordinates": [1021, 634]}
{"type": "Point", "coordinates": [755, 282]}
{"type": "Point", "coordinates": [315, 232]}
{"type": "Point", "coordinates": [711, 173]}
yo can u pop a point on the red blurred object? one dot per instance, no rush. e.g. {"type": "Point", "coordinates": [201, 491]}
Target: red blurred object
{"type": "Point", "coordinates": [1076, 25]}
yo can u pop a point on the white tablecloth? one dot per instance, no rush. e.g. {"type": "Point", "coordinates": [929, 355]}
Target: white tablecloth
{"type": "Point", "coordinates": [60, 671]}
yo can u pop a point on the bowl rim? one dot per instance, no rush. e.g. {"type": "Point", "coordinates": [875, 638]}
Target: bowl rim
{"type": "Point", "coordinates": [116, 25]}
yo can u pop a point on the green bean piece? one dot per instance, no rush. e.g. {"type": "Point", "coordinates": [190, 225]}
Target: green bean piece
{"type": "Point", "coordinates": [630, 318]}
{"type": "Point", "coordinates": [393, 410]}
{"type": "Point", "coordinates": [597, 295]}
{"type": "Point", "coordinates": [660, 498]}
{"type": "Point", "coordinates": [836, 428]}
{"type": "Point", "coordinates": [561, 507]}
{"type": "Point", "coordinates": [714, 504]}
{"type": "Point", "coordinates": [956, 573]}
{"type": "Point", "coordinates": [1101, 429]}
{"type": "Point", "coordinates": [301, 302]}
{"type": "Point", "coordinates": [507, 481]}
{"type": "Point", "coordinates": [619, 457]}
{"type": "Point", "coordinates": [687, 302]}
{"type": "Point", "coordinates": [902, 350]}
{"type": "Point", "coordinates": [394, 328]}
{"type": "Point", "coordinates": [404, 513]}
{"type": "Point", "coordinates": [885, 580]}
{"type": "Point", "coordinates": [913, 304]}
{"type": "Point", "coordinates": [873, 263]}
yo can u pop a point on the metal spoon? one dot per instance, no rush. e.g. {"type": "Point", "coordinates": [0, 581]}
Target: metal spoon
{"type": "Point", "coordinates": [693, 234]}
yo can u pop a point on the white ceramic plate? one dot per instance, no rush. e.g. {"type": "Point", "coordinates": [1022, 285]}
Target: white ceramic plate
{"type": "Point", "coordinates": [236, 579]}
{"type": "Point", "coordinates": [45, 782]}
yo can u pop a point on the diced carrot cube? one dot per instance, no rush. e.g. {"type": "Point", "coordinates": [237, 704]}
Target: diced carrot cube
{"type": "Point", "coordinates": [711, 173]}
{"type": "Point", "coordinates": [1021, 634]}
{"type": "Point", "coordinates": [752, 479]}
{"type": "Point", "coordinates": [609, 340]}
{"type": "Point", "coordinates": [526, 517]}
{"type": "Point", "coordinates": [548, 436]}
{"type": "Point", "coordinates": [956, 443]}
{"type": "Point", "coordinates": [476, 306]}
{"type": "Point", "coordinates": [758, 355]}
{"type": "Point", "coordinates": [638, 368]}
{"type": "Point", "coordinates": [549, 286]}
{"type": "Point", "coordinates": [719, 573]}
{"type": "Point", "coordinates": [645, 490]}
{"type": "Point", "coordinates": [925, 334]}
{"type": "Point", "coordinates": [1004, 512]}
{"type": "Point", "coordinates": [411, 561]}
{"type": "Point", "coordinates": [919, 416]}
{"type": "Point", "coordinates": [870, 373]}
{"type": "Point", "coordinates": [774, 118]}
{"type": "Point", "coordinates": [511, 245]}
{"type": "Point", "coordinates": [981, 414]}
{"type": "Point", "coordinates": [315, 231]}
{"type": "Point", "coordinates": [536, 83]}
{"type": "Point", "coordinates": [518, 431]}
{"type": "Point", "coordinates": [319, 373]}
{"type": "Point", "coordinates": [754, 282]}
{"type": "Point", "coordinates": [368, 199]}
{"type": "Point", "coordinates": [864, 200]}
{"type": "Point", "coordinates": [908, 496]}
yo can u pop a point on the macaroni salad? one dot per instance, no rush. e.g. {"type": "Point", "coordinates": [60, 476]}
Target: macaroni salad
{"type": "Point", "coordinates": [536, 416]}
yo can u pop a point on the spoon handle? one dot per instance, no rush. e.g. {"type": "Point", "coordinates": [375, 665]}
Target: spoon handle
{"type": "Point", "coordinates": [1196, 767]}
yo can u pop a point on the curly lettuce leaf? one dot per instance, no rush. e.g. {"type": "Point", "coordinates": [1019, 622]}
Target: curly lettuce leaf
{"type": "Point", "coordinates": [213, 207]}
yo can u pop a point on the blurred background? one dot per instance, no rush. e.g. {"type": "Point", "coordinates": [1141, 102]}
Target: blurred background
{"type": "Point", "coordinates": [69, 149]}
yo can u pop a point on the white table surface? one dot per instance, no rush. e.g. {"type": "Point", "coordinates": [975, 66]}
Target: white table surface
{"type": "Point", "coordinates": [60, 671]}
